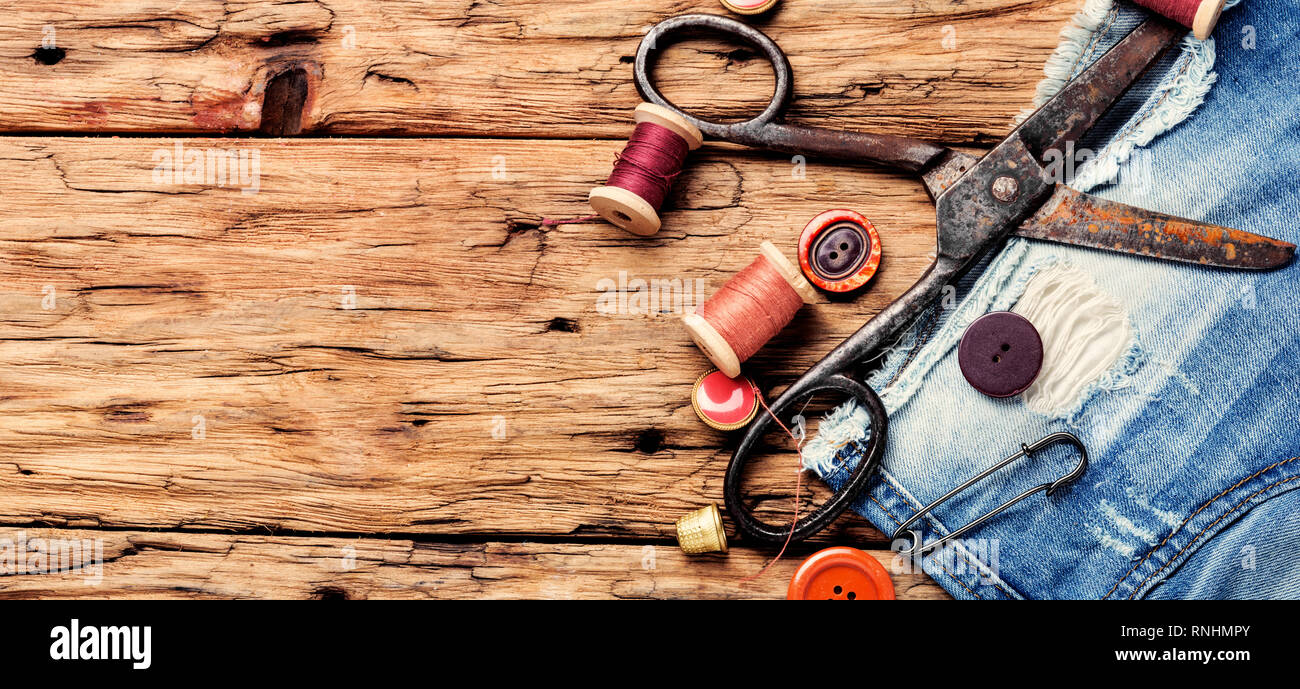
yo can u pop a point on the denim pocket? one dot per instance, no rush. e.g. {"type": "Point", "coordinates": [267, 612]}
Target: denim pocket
{"type": "Point", "coordinates": [1216, 550]}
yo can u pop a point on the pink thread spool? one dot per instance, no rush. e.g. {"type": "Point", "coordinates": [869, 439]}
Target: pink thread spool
{"type": "Point", "coordinates": [749, 310]}
{"type": "Point", "coordinates": [1198, 15]}
{"type": "Point", "coordinates": [644, 171]}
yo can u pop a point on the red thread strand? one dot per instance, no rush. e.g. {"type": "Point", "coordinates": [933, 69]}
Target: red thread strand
{"type": "Point", "coordinates": [798, 484]}
{"type": "Point", "coordinates": [1181, 11]}
{"type": "Point", "coordinates": [752, 307]}
{"type": "Point", "coordinates": [650, 162]}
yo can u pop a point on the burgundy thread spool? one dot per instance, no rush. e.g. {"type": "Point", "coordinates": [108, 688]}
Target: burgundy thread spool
{"type": "Point", "coordinates": [645, 170]}
{"type": "Point", "coordinates": [749, 310]}
{"type": "Point", "coordinates": [1198, 15]}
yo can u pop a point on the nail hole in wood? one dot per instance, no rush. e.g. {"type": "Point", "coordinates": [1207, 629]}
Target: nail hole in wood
{"type": "Point", "coordinates": [650, 441]}
{"type": "Point", "coordinates": [285, 38]}
{"type": "Point", "coordinates": [329, 593]}
{"type": "Point", "coordinates": [564, 325]}
{"type": "Point", "coordinates": [49, 56]}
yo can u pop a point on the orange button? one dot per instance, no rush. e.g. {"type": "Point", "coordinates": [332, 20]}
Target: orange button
{"type": "Point", "coordinates": [840, 574]}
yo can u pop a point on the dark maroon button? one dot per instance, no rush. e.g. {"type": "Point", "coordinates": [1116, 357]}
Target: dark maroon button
{"type": "Point", "coordinates": [1000, 354]}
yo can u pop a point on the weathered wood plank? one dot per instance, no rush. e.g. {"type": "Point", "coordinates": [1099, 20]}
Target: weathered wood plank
{"type": "Point", "coordinates": [947, 71]}
{"type": "Point", "coordinates": [186, 355]}
{"type": "Point", "coordinates": [173, 565]}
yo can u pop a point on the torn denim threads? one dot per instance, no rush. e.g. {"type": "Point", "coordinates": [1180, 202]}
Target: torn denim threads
{"type": "Point", "coordinates": [1180, 380]}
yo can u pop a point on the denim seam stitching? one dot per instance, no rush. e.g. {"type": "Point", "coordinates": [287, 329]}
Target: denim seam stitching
{"type": "Point", "coordinates": [959, 552]}
{"type": "Point", "coordinates": [843, 464]}
{"type": "Point", "coordinates": [922, 340]}
{"type": "Point", "coordinates": [1147, 111]}
{"type": "Point", "coordinates": [1189, 518]}
{"type": "Point", "coordinates": [1207, 528]}
{"type": "Point", "coordinates": [945, 569]}
{"type": "Point", "coordinates": [1091, 48]}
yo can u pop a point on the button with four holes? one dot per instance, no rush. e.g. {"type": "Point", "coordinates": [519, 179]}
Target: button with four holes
{"type": "Point", "coordinates": [1000, 354]}
{"type": "Point", "coordinates": [840, 573]}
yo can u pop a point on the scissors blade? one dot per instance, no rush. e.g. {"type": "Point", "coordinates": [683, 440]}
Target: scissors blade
{"type": "Point", "coordinates": [1078, 106]}
{"type": "Point", "coordinates": [1072, 217]}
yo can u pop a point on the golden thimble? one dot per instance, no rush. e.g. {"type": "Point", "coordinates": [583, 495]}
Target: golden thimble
{"type": "Point", "coordinates": [701, 531]}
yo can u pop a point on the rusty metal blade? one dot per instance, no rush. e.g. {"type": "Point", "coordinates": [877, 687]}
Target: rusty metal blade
{"type": "Point", "coordinates": [1073, 111]}
{"type": "Point", "coordinates": [1072, 217]}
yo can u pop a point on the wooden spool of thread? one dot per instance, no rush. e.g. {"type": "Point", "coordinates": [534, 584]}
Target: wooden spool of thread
{"type": "Point", "coordinates": [1198, 15]}
{"type": "Point", "coordinates": [749, 310]}
{"type": "Point", "coordinates": [645, 170]}
{"type": "Point", "coordinates": [749, 6]}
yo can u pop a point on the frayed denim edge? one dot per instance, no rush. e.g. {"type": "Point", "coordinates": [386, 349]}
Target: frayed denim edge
{"type": "Point", "coordinates": [846, 424]}
{"type": "Point", "coordinates": [1174, 99]}
{"type": "Point", "coordinates": [1118, 377]}
{"type": "Point", "coordinates": [1061, 65]}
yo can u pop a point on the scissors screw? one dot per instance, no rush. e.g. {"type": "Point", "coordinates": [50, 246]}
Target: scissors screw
{"type": "Point", "coordinates": [1006, 189]}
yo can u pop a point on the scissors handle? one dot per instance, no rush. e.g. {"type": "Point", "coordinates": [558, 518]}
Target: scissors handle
{"type": "Point", "coordinates": [832, 373]}
{"type": "Point", "coordinates": [765, 130]}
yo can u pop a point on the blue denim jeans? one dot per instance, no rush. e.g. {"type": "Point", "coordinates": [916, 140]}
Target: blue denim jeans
{"type": "Point", "coordinates": [1192, 414]}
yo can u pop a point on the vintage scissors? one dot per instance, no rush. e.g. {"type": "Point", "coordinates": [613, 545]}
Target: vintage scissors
{"type": "Point", "coordinates": [979, 203]}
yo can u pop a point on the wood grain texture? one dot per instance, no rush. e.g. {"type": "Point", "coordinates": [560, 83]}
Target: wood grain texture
{"type": "Point", "coordinates": [196, 566]}
{"type": "Point", "coordinates": [130, 308]}
{"type": "Point", "coordinates": [949, 71]}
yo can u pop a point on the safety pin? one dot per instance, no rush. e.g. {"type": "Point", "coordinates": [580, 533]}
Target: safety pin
{"type": "Point", "coordinates": [1025, 451]}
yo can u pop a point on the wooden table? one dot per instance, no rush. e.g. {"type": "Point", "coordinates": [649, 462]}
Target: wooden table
{"type": "Point", "coordinates": [371, 370]}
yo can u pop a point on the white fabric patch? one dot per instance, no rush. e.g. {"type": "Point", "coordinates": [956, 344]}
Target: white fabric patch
{"type": "Point", "coordinates": [1084, 332]}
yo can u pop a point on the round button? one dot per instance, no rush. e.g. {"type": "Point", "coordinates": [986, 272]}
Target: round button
{"type": "Point", "coordinates": [724, 403]}
{"type": "Point", "coordinates": [840, 573]}
{"type": "Point", "coordinates": [839, 251]}
{"type": "Point", "coordinates": [748, 6]}
{"type": "Point", "coordinates": [1000, 354]}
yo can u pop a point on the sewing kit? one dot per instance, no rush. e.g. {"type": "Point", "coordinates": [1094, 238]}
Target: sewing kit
{"type": "Point", "coordinates": [979, 202]}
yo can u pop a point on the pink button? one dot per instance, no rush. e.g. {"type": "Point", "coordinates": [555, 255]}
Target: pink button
{"type": "Point", "coordinates": [724, 403]}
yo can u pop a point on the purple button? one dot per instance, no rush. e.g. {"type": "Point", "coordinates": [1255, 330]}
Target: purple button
{"type": "Point", "coordinates": [1000, 354]}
